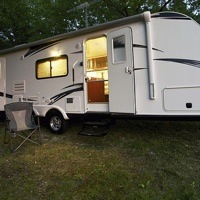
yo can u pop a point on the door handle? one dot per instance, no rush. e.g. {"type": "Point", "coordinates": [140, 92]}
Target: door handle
{"type": "Point", "coordinates": [128, 70]}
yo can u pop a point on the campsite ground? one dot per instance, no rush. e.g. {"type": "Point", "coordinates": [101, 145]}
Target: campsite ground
{"type": "Point", "coordinates": [136, 160]}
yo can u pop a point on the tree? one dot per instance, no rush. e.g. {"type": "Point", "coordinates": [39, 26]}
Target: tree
{"type": "Point", "coordinates": [126, 8]}
{"type": "Point", "coordinates": [14, 22]}
{"type": "Point", "coordinates": [25, 21]}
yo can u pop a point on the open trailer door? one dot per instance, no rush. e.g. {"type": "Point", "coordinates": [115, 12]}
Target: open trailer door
{"type": "Point", "coordinates": [120, 71]}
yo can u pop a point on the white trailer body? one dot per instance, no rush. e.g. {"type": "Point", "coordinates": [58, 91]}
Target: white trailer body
{"type": "Point", "coordinates": [145, 65]}
{"type": "Point", "coordinates": [2, 83]}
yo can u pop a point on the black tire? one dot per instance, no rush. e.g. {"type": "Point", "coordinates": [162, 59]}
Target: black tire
{"type": "Point", "coordinates": [56, 123]}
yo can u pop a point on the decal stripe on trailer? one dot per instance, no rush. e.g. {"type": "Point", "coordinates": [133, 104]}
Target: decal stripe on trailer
{"type": "Point", "coordinates": [195, 63]}
{"type": "Point", "coordinates": [144, 46]}
{"type": "Point", "coordinates": [70, 89]}
{"type": "Point", "coordinates": [7, 95]}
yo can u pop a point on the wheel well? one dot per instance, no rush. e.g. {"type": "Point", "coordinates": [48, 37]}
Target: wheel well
{"type": "Point", "coordinates": [53, 111]}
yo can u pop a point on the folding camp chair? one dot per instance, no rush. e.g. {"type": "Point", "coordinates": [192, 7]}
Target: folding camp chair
{"type": "Point", "coordinates": [19, 119]}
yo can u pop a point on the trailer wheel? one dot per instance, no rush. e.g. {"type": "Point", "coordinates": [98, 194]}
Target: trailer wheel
{"type": "Point", "coordinates": [56, 123]}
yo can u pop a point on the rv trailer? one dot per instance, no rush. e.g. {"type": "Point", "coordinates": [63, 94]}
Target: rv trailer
{"type": "Point", "coordinates": [143, 65]}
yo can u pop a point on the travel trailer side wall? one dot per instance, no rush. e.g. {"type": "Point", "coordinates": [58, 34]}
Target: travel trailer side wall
{"type": "Point", "coordinates": [145, 65]}
{"type": "Point", "coordinates": [2, 84]}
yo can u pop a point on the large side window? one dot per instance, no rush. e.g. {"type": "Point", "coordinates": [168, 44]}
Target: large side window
{"type": "Point", "coordinates": [52, 67]}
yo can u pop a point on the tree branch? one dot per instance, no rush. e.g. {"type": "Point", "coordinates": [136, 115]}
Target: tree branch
{"type": "Point", "coordinates": [165, 4]}
{"type": "Point", "coordinates": [114, 5]}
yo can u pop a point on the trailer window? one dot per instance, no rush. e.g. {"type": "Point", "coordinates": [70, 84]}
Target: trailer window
{"type": "Point", "coordinates": [119, 51]}
{"type": "Point", "coordinates": [51, 67]}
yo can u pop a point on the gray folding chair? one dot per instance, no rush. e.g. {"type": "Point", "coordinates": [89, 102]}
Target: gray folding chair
{"type": "Point", "coordinates": [19, 119]}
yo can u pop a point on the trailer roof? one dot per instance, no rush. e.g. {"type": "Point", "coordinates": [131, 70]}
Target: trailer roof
{"type": "Point", "coordinates": [83, 31]}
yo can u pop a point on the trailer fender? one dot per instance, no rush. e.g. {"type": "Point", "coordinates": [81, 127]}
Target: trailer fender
{"type": "Point", "coordinates": [56, 118]}
{"type": "Point", "coordinates": [42, 110]}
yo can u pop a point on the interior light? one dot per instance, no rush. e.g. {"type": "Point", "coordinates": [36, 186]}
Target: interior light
{"type": "Point", "coordinates": [55, 53]}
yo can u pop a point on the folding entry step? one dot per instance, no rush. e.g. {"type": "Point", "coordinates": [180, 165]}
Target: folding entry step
{"type": "Point", "coordinates": [95, 128]}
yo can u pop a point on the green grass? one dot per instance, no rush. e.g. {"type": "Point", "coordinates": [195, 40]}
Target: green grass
{"type": "Point", "coordinates": [136, 160]}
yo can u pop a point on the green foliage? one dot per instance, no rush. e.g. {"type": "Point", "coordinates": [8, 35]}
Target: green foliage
{"type": "Point", "coordinates": [25, 21]}
{"type": "Point", "coordinates": [14, 22]}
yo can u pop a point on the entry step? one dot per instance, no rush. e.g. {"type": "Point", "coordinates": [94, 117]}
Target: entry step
{"type": "Point", "coordinates": [95, 128]}
{"type": "Point", "coordinates": [96, 123]}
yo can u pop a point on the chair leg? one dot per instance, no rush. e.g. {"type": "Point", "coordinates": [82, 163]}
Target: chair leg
{"type": "Point", "coordinates": [8, 140]}
{"type": "Point", "coordinates": [12, 135]}
{"type": "Point", "coordinates": [27, 138]}
{"type": "Point", "coordinates": [11, 145]}
{"type": "Point", "coordinates": [4, 139]}
{"type": "Point", "coordinates": [39, 136]}
{"type": "Point", "coordinates": [39, 131]}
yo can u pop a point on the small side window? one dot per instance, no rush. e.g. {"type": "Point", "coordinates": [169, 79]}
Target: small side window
{"type": "Point", "coordinates": [52, 67]}
{"type": "Point", "coordinates": [119, 50]}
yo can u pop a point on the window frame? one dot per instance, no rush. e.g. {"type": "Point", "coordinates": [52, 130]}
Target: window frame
{"type": "Point", "coordinates": [50, 59]}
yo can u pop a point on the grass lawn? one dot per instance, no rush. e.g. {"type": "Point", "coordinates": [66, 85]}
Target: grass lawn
{"type": "Point", "coordinates": [136, 160]}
